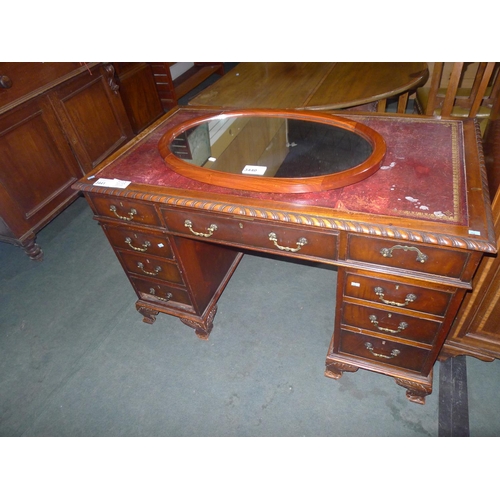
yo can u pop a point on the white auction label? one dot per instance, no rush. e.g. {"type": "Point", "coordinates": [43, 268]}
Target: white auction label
{"type": "Point", "coordinates": [117, 183]}
{"type": "Point", "coordinates": [254, 170]}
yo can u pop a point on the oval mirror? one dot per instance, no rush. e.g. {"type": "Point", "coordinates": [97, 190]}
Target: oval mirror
{"type": "Point", "coordinates": [274, 151]}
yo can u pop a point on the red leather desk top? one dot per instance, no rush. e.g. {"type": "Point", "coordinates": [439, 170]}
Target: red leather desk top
{"type": "Point", "coordinates": [422, 176]}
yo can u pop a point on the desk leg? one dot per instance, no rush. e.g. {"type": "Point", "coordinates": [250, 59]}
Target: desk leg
{"type": "Point", "coordinates": [202, 328]}
{"type": "Point", "coordinates": [148, 313]}
{"type": "Point", "coordinates": [335, 369]}
{"type": "Point", "coordinates": [416, 391]}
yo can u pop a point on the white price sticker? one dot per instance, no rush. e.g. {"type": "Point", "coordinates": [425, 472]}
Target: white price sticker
{"type": "Point", "coordinates": [254, 170]}
{"type": "Point", "coordinates": [116, 183]}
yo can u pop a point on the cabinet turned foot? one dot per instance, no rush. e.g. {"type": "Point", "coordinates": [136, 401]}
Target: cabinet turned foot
{"type": "Point", "coordinates": [416, 392]}
{"type": "Point", "coordinates": [149, 314]}
{"type": "Point", "coordinates": [335, 369]}
{"type": "Point", "coordinates": [202, 328]}
{"type": "Point", "coordinates": [32, 250]}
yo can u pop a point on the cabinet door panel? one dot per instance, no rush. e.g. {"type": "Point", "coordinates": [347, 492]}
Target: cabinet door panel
{"type": "Point", "coordinates": [139, 94]}
{"type": "Point", "coordinates": [38, 167]}
{"type": "Point", "coordinates": [94, 116]}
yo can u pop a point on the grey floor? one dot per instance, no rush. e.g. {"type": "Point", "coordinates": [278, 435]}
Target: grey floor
{"type": "Point", "coordinates": [77, 360]}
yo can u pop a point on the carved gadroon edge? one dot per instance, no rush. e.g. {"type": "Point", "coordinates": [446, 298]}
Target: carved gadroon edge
{"type": "Point", "coordinates": [484, 178]}
{"type": "Point", "coordinates": [333, 223]}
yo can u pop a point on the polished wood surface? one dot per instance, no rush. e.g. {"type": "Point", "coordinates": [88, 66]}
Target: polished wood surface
{"type": "Point", "coordinates": [401, 278]}
{"type": "Point", "coordinates": [139, 94]}
{"type": "Point", "coordinates": [311, 85]}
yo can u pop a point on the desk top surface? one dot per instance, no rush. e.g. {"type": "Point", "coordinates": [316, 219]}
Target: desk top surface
{"type": "Point", "coordinates": [431, 186]}
{"type": "Point", "coordinates": [311, 85]}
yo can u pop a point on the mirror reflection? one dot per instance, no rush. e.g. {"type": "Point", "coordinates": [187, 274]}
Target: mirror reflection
{"type": "Point", "coordinates": [271, 147]}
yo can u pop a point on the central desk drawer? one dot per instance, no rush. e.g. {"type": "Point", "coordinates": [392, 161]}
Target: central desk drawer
{"type": "Point", "coordinates": [255, 234]}
{"type": "Point", "coordinates": [407, 255]}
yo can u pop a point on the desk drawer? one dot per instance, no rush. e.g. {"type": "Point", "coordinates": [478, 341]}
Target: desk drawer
{"type": "Point", "coordinates": [390, 324]}
{"type": "Point", "coordinates": [406, 255]}
{"type": "Point", "coordinates": [383, 352]}
{"type": "Point", "coordinates": [161, 293]}
{"type": "Point", "coordinates": [125, 210]}
{"type": "Point", "coordinates": [148, 243]}
{"type": "Point", "coordinates": [145, 266]}
{"type": "Point", "coordinates": [279, 238]}
{"type": "Point", "coordinates": [394, 293]}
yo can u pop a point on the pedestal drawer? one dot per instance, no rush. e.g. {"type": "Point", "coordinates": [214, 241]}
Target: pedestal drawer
{"type": "Point", "coordinates": [383, 351]}
{"type": "Point", "coordinates": [141, 242]}
{"type": "Point", "coordinates": [162, 293]}
{"type": "Point", "coordinates": [406, 255]}
{"type": "Point", "coordinates": [390, 324]}
{"type": "Point", "coordinates": [253, 234]}
{"type": "Point", "coordinates": [126, 210]}
{"type": "Point", "coordinates": [397, 294]}
{"type": "Point", "coordinates": [151, 267]}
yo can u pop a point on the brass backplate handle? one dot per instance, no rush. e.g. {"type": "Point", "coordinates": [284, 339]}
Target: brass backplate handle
{"type": "Point", "coordinates": [394, 352]}
{"type": "Point", "coordinates": [401, 327]}
{"type": "Point", "coordinates": [157, 269]}
{"type": "Point", "coordinates": [131, 214]}
{"type": "Point", "coordinates": [210, 229]}
{"type": "Point", "coordinates": [300, 243]}
{"type": "Point", "coordinates": [387, 252]}
{"type": "Point", "coordinates": [411, 297]}
{"type": "Point", "coordinates": [144, 248]}
{"type": "Point", "coordinates": [152, 291]}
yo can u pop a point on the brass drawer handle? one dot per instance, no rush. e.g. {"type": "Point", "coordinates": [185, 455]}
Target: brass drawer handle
{"type": "Point", "coordinates": [152, 291]}
{"type": "Point", "coordinates": [394, 352]}
{"type": "Point", "coordinates": [300, 243]}
{"type": "Point", "coordinates": [379, 291]}
{"type": "Point", "coordinates": [401, 327]}
{"type": "Point", "coordinates": [210, 229]}
{"type": "Point", "coordinates": [387, 252]}
{"type": "Point", "coordinates": [145, 245]}
{"type": "Point", "coordinates": [5, 82]}
{"type": "Point", "coordinates": [157, 270]}
{"type": "Point", "coordinates": [131, 214]}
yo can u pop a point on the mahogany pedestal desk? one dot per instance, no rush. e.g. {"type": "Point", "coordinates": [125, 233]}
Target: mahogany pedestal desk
{"type": "Point", "coordinates": [406, 240]}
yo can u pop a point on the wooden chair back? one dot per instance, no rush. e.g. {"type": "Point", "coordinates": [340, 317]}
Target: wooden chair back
{"type": "Point", "coordinates": [452, 98]}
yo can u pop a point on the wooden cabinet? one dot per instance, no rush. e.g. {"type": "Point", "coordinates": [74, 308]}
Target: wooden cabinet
{"type": "Point", "coordinates": [91, 111]}
{"type": "Point", "coordinates": [38, 168]}
{"type": "Point", "coordinates": [57, 122]}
